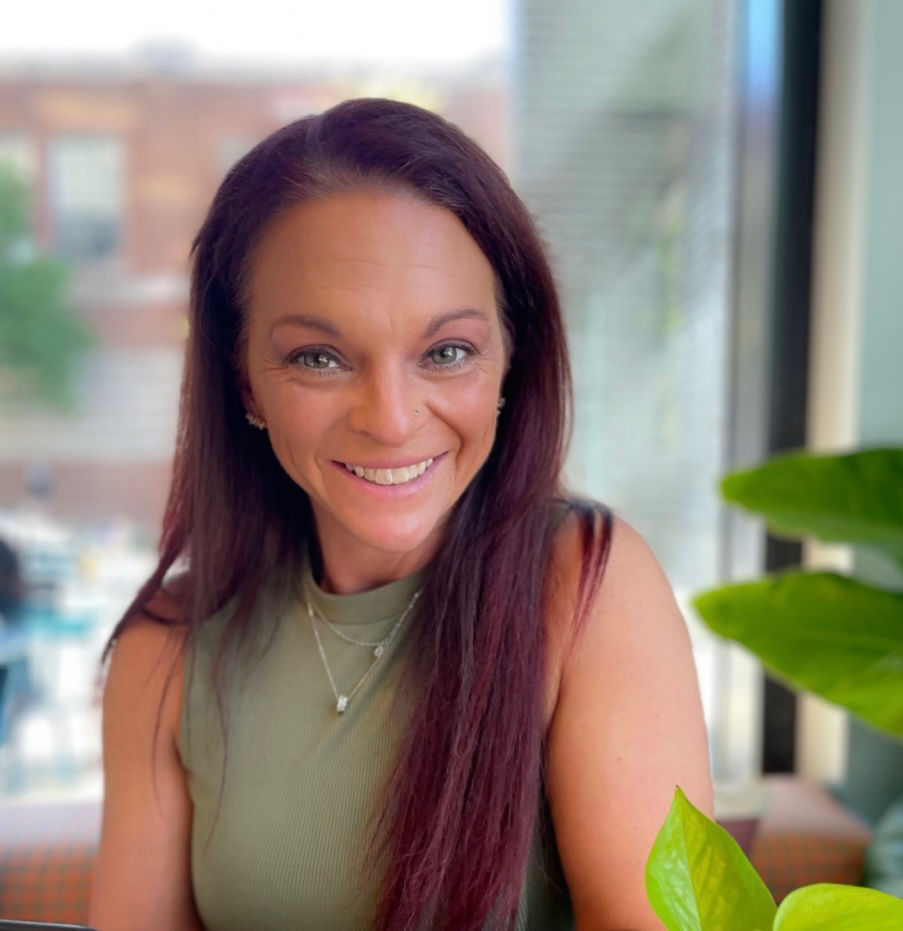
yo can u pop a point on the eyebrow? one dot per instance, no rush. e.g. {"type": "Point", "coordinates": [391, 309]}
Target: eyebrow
{"type": "Point", "coordinates": [329, 329]}
{"type": "Point", "coordinates": [463, 313]}
{"type": "Point", "coordinates": [314, 323]}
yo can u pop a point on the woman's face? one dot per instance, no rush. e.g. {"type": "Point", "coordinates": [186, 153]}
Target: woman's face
{"type": "Point", "coordinates": [375, 356]}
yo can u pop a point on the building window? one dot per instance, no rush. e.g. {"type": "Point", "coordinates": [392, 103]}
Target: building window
{"type": "Point", "coordinates": [86, 196]}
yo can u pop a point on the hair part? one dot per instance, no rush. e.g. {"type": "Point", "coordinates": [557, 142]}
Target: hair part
{"type": "Point", "coordinates": [471, 763]}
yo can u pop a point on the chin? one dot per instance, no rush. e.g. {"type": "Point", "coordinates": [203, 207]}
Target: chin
{"type": "Point", "coordinates": [399, 541]}
{"type": "Point", "coordinates": [397, 535]}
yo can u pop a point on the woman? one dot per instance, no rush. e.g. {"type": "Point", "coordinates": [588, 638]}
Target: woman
{"type": "Point", "coordinates": [390, 686]}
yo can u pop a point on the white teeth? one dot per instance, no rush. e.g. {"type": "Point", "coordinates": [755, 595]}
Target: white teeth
{"type": "Point", "coordinates": [390, 476]}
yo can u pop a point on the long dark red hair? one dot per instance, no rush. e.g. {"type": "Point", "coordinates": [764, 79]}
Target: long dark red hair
{"type": "Point", "coordinates": [463, 800]}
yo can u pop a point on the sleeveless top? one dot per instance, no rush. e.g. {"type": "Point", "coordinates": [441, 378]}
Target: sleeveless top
{"type": "Point", "coordinates": [283, 812]}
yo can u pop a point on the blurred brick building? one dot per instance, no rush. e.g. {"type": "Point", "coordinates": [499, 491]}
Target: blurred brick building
{"type": "Point", "coordinates": [121, 160]}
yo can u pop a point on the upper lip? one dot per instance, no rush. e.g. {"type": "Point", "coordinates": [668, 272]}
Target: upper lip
{"type": "Point", "coordinates": [382, 464]}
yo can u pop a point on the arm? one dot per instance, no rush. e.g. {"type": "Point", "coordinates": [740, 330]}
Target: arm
{"type": "Point", "coordinates": [627, 727]}
{"type": "Point", "coordinates": [142, 874]}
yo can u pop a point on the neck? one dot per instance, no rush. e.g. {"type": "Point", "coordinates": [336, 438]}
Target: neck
{"type": "Point", "coordinates": [350, 569]}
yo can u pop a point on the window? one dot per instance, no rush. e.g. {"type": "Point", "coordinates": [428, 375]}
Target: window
{"type": "Point", "coordinates": [86, 196]}
{"type": "Point", "coordinates": [625, 146]}
{"type": "Point", "coordinates": [618, 124]}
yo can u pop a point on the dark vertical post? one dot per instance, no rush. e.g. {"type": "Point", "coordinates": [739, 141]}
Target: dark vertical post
{"type": "Point", "coordinates": [791, 293]}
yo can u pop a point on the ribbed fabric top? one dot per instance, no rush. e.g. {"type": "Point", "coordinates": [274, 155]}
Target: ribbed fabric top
{"type": "Point", "coordinates": [280, 836]}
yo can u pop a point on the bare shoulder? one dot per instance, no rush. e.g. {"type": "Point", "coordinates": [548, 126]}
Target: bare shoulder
{"type": "Point", "coordinates": [145, 676]}
{"type": "Point", "coordinates": [633, 597]}
{"type": "Point", "coordinates": [146, 642]}
{"type": "Point", "coordinates": [626, 727]}
{"type": "Point", "coordinates": [142, 872]}
{"type": "Point", "coordinates": [628, 558]}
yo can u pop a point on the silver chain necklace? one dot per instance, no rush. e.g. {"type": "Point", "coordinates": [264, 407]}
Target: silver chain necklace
{"type": "Point", "coordinates": [378, 646]}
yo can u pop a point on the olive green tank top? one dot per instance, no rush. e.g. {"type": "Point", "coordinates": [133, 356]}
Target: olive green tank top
{"type": "Point", "coordinates": [284, 811]}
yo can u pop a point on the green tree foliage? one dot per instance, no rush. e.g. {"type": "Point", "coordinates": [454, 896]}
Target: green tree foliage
{"type": "Point", "coordinates": [41, 338]}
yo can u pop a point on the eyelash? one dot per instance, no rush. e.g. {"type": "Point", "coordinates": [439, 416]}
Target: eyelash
{"type": "Point", "coordinates": [467, 350]}
{"type": "Point", "coordinates": [297, 357]}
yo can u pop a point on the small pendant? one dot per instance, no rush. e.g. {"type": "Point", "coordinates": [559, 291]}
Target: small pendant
{"type": "Point", "coordinates": [378, 650]}
{"type": "Point", "coordinates": [341, 704]}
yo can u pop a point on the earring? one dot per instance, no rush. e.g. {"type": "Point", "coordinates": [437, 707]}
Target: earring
{"type": "Point", "coordinates": [499, 406]}
{"type": "Point", "coordinates": [255, 421]}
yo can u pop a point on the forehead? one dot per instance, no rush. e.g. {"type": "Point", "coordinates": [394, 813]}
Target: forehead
{"type": "Point", "coordinates": [369, 243]}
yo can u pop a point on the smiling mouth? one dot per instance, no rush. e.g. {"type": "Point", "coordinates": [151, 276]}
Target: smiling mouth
{"type": "Point", "coordinates": [389, 476]}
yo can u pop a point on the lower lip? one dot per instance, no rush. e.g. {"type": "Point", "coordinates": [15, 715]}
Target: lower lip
{"type": "Point", "coordinates": [392, 491]}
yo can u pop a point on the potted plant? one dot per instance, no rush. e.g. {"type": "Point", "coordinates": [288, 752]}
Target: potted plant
{"type": "Point", "coordinates": [833, 634]}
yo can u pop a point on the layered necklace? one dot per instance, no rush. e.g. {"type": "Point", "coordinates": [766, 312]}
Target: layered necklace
{"type": "Point", "coordinates": [378, 647]}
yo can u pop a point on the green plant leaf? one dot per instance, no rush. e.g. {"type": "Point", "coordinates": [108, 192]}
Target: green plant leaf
{"type": "Point", "coordinates": [697, 878]}
{"type": "Point", "coordinates": [825, 632]}
{"type": "Point", "coordinates": [827, 907]}
{"type": "Point", "coordinates": [854, 498]}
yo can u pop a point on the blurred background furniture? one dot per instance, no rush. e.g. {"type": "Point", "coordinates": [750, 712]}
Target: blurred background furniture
{"type": "Point", "coordinates": [46, 855]}
{"type": "Point", "coordinates": [47, 849]}
{"type": "Point", "coordinates": [806, 836]}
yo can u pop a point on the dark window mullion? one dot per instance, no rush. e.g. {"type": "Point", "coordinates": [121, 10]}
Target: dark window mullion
{"type": "Point", "coordinates": [791, 298]}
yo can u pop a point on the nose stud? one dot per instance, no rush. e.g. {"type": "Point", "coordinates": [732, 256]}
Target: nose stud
{"type": "Point", "coordinates": [416, 411]}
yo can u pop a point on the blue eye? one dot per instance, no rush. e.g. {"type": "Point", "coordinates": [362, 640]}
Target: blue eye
{"type": "Point", "coordinates": [448, 354]}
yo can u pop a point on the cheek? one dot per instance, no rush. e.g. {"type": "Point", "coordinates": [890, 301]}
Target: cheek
{"type": "Point", "coordinates": [475, 416]}
{"type": "Point", "coordinates": [291, 452]}
{"type": "Point", "coordinates": [296, 434]}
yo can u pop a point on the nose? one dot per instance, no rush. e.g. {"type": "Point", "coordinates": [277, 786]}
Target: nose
{"type": "Point", "coordinates": [384, 408]}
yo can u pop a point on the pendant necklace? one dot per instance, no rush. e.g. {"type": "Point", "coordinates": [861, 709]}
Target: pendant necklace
{"type": "Point", "coordinates": [377, 646]}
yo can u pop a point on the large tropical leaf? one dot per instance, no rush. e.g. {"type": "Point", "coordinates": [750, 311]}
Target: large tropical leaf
{"type": "Point", "coordinates": [827, 907]}
{"type": "Point", "coordinates": [697, 878]}
{"type": "Point", "coordinates": [825, 632]}
{"type": "Point", "coordinates": [854, 498]}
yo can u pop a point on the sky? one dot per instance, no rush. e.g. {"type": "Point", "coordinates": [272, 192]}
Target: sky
{"type": "Point", "coordinates": [274, 31]}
